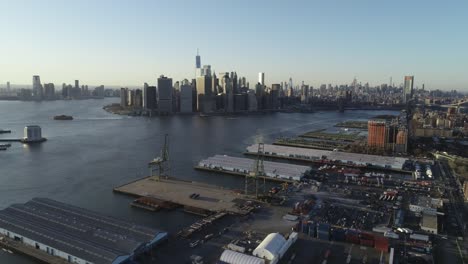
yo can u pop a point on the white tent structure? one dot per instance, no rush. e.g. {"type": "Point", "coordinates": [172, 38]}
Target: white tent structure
{"type": "Point", "coordinates": [270, 247]}
{"type": "Point", "coordinates": [233, 257]}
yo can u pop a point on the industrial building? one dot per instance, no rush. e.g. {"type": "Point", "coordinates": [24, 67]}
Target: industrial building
{"type": "Point", "coordinates": [429, 223]}
{"type": "Point", "coordinates": [424, 204]}
{"type": "Point", "coordinates": [232, 257]}
{"type": "Point", "coordinates": [75, 234]}
{"type": "Point", "coordinates": [274, 246]}
{"type": "Point", "coordinates": [270, 251]}
{"type": "Point", "coordinates": [32, 134]}
{"type": "Point", "coordinates": [245, 166]}
{"type": "Point", "coordinates": [165, 95]}
{"type": "Point", "coordinates": [317, 155]}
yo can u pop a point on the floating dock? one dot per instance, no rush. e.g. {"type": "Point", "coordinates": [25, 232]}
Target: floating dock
{"type": "Point", "coordinates": [274, 171]}
{"type": "Point", "coordinates": [331, 157]}
{"type": "Point", "coordinates": [210, 198]}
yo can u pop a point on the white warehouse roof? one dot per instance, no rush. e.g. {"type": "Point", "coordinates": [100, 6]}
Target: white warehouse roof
{"type": "Point", "coordinates": [270, 247]}
{"type": "Point", "coordinates": [233, 257]}
{"type": "Point", "coordinates": [316, 154]}
{"type": "Point", "coordinates": [244, 165]}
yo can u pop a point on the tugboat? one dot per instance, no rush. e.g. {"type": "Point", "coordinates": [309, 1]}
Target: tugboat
{"type": "Point", "coordinates": [63, 117]}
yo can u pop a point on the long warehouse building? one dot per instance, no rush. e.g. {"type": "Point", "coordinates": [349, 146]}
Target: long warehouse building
{"type": "Point", "coordinates": [317, 155]}
{"type": "Point", "coordinates": [242, 165]}
{"type": "Point", "coordinates": [76, 234]}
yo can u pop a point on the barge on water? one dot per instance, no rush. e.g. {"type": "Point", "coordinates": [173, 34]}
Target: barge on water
{"type": "Point", "coordinates": [331, 157]}
{"type": "Point", "coordinates": [274, 171]}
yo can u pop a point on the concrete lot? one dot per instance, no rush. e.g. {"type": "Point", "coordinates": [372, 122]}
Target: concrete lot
{"type": "Point", "coordinates": [211, 197]}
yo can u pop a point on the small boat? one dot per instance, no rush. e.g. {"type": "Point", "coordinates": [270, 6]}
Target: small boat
{"type": "Point", "coordinates": [63, 117]}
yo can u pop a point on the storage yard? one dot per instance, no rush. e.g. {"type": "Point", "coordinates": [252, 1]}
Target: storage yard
{"type": "Point", "coordinates": [332, 157]}
{"type": "Point", "coordinates": [242, 166]}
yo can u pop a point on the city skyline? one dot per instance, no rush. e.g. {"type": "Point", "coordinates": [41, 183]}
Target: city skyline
{"type": "Point", "coordinates": [122, 44]}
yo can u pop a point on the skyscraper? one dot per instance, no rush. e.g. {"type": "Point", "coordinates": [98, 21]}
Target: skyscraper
{"type": "Point", "coordinates": [261, 78]}
{"type": "Point", "coordinates": [186, 98]}
{"type": "Point", "coordinates": [123, 97]}
{"type": "Point", "coordinates": [8, 86]}
{"type": "Point", "coordinates": [77, 84]}
{"type": "Point", "coordinates": [164, 95]}
{"type": "Point", "coordinates": [197, 61]}
{"type": "Point", "coordinates": [37, 88]}
{"type": "Point", "coordinates": [204, 93]}
{"type": "Point", "coordinates": [49, 91]}
{"type": "Point", "coordinates": [198, 70]}
{"type": "Point", "coordinates": [408, 88]}
{"type": "Point", "coordinates": [149, 97]}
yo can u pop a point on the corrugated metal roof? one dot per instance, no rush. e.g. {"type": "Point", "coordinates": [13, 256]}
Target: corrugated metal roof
{"type": "Point", "coordinates": [244, 165]}
{"type": "Point", "coordinates": [76, 231]}
{"type": "Point", "coordinates": [359, 159]}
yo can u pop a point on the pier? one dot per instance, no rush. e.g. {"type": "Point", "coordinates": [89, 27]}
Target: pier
{"type": "Point", "coordinates": [210, 198]}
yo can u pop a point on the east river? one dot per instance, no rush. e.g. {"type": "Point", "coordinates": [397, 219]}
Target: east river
{"type": "Point", "coordinates": [84, 159]}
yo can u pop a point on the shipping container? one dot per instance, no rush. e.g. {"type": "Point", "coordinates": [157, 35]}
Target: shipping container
{"type": "Point", "coordinates": [323, 235]}
{"type": "Point", "coordinates": [352, 236]}
{"type": "Point", "coordinates": [323, 227]}
{"type": "Point", "coordinates": [381, 243]}
{"type": "Point", "coordinates": [367, 243]}
{"type": "Point", "coordinates": [339, 234]}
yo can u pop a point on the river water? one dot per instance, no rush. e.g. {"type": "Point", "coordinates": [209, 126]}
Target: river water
{"type": "Point", "coordinates": [85, 158]}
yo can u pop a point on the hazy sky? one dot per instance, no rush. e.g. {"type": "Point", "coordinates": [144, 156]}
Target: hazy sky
{"type": "Point", "coordinates": [132, 42]}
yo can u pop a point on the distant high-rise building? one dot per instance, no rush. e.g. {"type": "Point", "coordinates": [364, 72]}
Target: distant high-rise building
{"type": "Point", "coordinates": [138, 99]}
{"type": "Point", "coordinates": [377, 134]}
{"type": "Point", "coordinates": [186, 98]}
{"type": "Point", "coordinates": [130, 97]}
{"type": "Point", "coordinates": [123, 97]}
{"type": "Point", "coordinates": [408, 88]}
{"type": "Point", "coordinates": [197, 61]}
{"type": "Point", "coordinates": [145, 86]}
{"type": "Point", "coordinates": [164, 95]}
{"type": "Point", "coordinates": [49, 91]}
{"type": "Point", "coordinates": [304, 93]}
{"type": "Point", "coordinates": [77, 84]}
{"type": "Point", "coordinates": [261, 78]}
{"type": "Point", "coordinates": [37, 88]}
{"type": "Point", "coordinates": [206, 70]}
{"type": "Point", "coordinates": [204, 93]}
{"type": "Point", "coordinates": [8, 86]}
{"type": "Point", "coordinates": [149, 97]}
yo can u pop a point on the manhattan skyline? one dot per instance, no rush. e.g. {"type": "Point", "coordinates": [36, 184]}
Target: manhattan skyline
{"type": "Point", "coordinates": [126, 44]}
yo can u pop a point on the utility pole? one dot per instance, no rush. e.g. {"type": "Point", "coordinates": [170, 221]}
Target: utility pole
{"type": "Point", "coordinates": [251, 179]}
{"type": "Point", "coordinates": [161, 164]}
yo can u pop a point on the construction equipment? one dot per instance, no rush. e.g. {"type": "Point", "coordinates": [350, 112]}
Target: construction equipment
{"type": "Point", "coordinates": [161, 163]}
{"type": "Point", "coordinates": [251, 179]}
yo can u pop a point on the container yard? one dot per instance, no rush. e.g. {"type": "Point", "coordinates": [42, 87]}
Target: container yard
{"type": "Point", "coordinates": [331, 157]}
{"type": "Point", "coordinates": [242, 166]}
{"type": "Point", "coordinates": [208, 198]}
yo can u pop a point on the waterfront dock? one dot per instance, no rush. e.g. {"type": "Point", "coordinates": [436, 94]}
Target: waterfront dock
{"type": "Point", "coordinates": [211, 198]}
